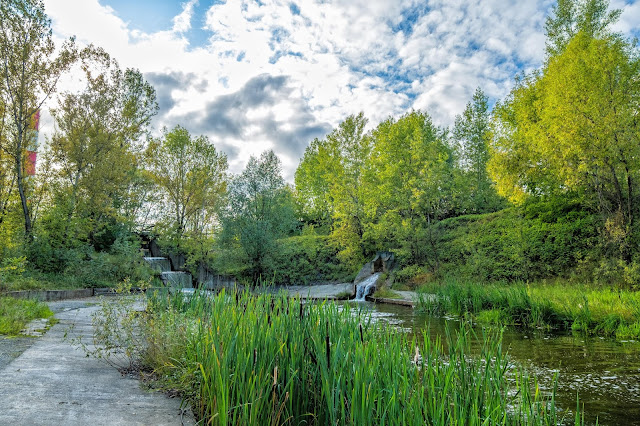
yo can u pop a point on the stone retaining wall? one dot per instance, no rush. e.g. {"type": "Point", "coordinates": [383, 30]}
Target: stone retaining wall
{"type": "Point", "coordinates": [49, 295]}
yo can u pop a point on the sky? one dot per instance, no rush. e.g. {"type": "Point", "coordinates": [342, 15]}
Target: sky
{"type": "Point", "coordinates": [254, 75]}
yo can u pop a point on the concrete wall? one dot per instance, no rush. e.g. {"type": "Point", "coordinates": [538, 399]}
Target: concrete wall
{"type": "Point", "coordinates": [49, 295]}
{"type": "Point", "coordinates": [210, 280]}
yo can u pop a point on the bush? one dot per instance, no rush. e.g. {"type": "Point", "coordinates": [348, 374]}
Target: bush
{"type": "Point", "coordinates": [515, 244]}
{"type": "Point", "coordinates": [308, 259]}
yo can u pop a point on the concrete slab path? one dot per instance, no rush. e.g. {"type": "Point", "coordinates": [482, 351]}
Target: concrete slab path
{"type": "Point", "coordinates": [54, 383]}
{"type": "Point", "coordinates": [319, 291]}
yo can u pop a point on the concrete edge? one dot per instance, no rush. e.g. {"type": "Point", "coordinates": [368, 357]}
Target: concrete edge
{"type": "Point", "coordinates": [56, 295]}
{"type": "Point", "coordinates": [51, 295]}
{"type": "Point", "coordinates": [400, 302]}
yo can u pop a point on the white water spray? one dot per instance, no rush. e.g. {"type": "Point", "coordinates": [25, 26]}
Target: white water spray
{"type": "Point", "coordinates": [366, 287]}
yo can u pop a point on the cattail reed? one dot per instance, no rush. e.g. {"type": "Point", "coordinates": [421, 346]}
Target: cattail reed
{"type": "Point", "coordinates": [211, 349]}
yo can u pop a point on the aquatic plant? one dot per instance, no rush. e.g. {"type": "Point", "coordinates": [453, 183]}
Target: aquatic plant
{"type": "Point", "coordinates": [239, 358]}
{"type": "Point", "coordinates": [601, 311]}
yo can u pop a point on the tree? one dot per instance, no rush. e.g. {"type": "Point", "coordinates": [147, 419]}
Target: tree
{"type": "Point", "coordinates": [570, 17]}
{"type": "Point", "coordinates": [29, 71]}
{"type": "Point", "coordinates": [412, 178]}
{"type": "Point", "coordinates": [192, 176]}
{"type": "Point", "coordinates": [97, 147]}
{"type": "Point", "coordinates": [330, 184]}
{"type": "Point", "coordinates": [471, 132]}
{"type": "Point", "coordinates": [7, 177]}
{"type": "Point", "coordinates": [313, 179]}
{"type": "Point", "coordinates": [260, 210]}
{"type": "Point", "coordinates": [572, 128]}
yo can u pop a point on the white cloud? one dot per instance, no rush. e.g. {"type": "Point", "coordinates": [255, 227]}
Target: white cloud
{"type": "Point", "coordinates": [182, 22]}
{"type": "Point", "coordinates": [328, 59]}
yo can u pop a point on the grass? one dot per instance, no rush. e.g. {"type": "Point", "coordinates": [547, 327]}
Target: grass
{"type": "Point", "coordinates": [15, 314]}
{"type": "Point", "coordinates": [245, 359]}
{"type": "Point", "coordinates": [592, 310]}
{"type": "Point", "coordinates": [386, 293]}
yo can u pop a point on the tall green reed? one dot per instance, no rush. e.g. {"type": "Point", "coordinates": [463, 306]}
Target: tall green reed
{"type": "Point", "coordinates": [268, 359]}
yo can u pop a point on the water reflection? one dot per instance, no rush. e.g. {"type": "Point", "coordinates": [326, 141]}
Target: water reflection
{"type": "Point", "coordinates": [605, 373]}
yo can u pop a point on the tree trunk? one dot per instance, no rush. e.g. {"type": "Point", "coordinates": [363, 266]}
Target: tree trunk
{"type": "Point", "coordinates": [20, 182]}
{"type": "Point", "coordinates": [25, 207]}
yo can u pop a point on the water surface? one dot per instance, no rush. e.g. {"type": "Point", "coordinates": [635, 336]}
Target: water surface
{"type": "Point", "coordinates": [605, 373]}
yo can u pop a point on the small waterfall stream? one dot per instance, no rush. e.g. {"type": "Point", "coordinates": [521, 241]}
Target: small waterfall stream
{"type": "Point", "coordinates": [159, 264]}
{"type": "Point", "coordinates": [366, 287]}
{"type": "Point", "coordinates": [175, 279]}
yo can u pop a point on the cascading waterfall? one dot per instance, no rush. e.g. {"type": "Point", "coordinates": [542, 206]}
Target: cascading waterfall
{"type": "Point", "coordinates": [366, 287]}
{"type": "Point", "coordinates": [159, 264]}
{"type": "Point", "coordinates": [175, 279]}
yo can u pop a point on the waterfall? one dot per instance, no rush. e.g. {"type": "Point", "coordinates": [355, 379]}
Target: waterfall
{"type": "Point", "coordinates": [175, 279]}
{"type": "Point", "coordinates": [159, 264]}
{"type": "Point", "coordinates": [366, 287]}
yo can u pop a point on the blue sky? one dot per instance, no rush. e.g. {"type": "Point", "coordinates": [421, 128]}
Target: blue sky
{"type": "Point", "coordinates": [273, 74]}
{"type": "Point", "coordinates": [151, 16]}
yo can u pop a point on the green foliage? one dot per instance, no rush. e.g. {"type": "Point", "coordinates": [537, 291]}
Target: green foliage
{"type": "Point", "coordinates": [471, 133]}
{"type": "Point", "coordinates": [80, 266]}
{"type": "Point", "coordinates": [330, 186]}
{"type": "Point", "coordinates": [386, 293]}
{"type": "Point", "coordinates": [589, 310]}
{"type": "Point", "coordinates": [191, 175]}
{"type": "Point", "coordinates": [260, 211]}
{"type": "Point", "coordinates": [15, 314]}
{"type": "Point", "coordinates": [412, 174]}
{"type": "Point", "coordinates": [95, 152]}
{"type": "Point", "coordinates": [30, 69]}
{"type": "Point", "coordinates": [541, 240]}
{"type": "Point", "coordinates": [308, 259]}
{"type": "Point", "coordinates": [244, 359]}
{"type": "Point", "coordinates": [571, 127]}
{"type": "Point", "coordinates": [118, 329]}
{"type": "Point", "coordinates": [12, 267]}
{"type": "Point", "coordinates": [570, 17]}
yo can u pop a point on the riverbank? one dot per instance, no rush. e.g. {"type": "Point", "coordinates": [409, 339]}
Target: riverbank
{"type": "Point", "coordinates": [601, 311]}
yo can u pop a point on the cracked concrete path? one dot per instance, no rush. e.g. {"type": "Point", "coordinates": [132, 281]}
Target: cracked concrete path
{"type": "Point", "coordinates": [54, 383]}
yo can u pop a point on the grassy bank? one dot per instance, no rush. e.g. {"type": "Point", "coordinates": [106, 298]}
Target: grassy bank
{"type": "Point", "coordinates": [593, 310]}
{"type": "Point", "coordinates": [88, 270]}
{"type": "Point", "coordinates": [16, 313]}
{"type": "Point", "coordinates": [243, 359]}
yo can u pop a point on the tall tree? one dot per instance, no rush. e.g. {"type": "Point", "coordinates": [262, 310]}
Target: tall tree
{"type": "Point", "coordinates": [192, 176]}
{"type": "Point", "coordinates": [313, 179]}
{"type": "Point", "coordinates": [471, 132]}
{"type": "Point", "coordinates": [412, 177]}
{"type": "Point", "coordinates": [7, 177]}
{"type": "Point", "coordinates": [260, 211]}
{"type": "Point", "coordinates": [330, 184]}
{"type": "Point", "coordinates": [572, 127]}
{"type": "Point", "coordinates": [30, 68]}
{"type": "Point", "coordinates": [98, 144]}
{"type": "Point", "coordinates": [570, 17]}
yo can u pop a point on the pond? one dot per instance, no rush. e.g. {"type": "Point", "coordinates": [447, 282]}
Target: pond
{"type": "Point", "coordinates": [605, 373]}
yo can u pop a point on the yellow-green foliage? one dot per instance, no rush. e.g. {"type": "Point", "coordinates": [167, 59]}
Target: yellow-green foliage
{"type": "Point", "coordinates": [16, 313]}
{"type": "Point", "coordinates": [386, 293]}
